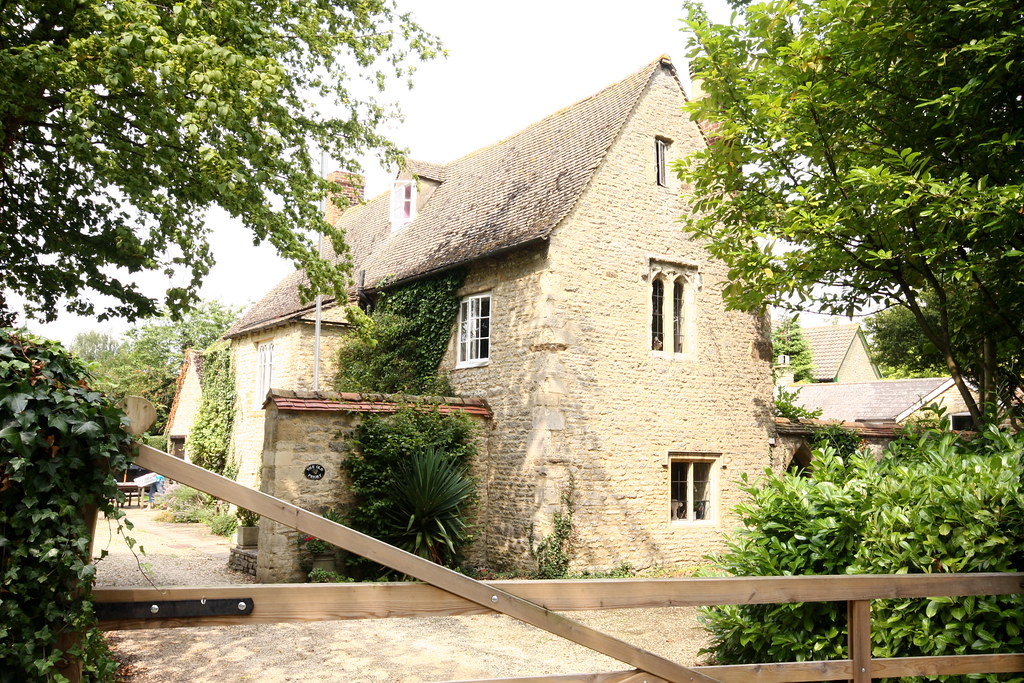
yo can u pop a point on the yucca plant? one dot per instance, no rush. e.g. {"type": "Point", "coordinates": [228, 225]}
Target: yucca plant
{"type": "Point", "coordinates": [431, 493]}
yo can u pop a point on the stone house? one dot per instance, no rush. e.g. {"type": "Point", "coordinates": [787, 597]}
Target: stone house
{"type": "Point", "coordinates": [187, 397]}
{"type": "Point", "coordinates": [840, 353]}
{"type": "Point", "coordinates": [591, 327]}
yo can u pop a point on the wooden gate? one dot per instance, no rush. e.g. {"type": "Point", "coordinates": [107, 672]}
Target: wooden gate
{"type": "Point", "coordinates": [445, 592]}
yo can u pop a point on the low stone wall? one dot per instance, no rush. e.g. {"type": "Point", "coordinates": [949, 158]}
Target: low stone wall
{"type": "Point", "coordinates": [306, 437]}
{"type": "Point", "coordinates": [242, 560]}
{"type": "Point", "coordinates": [793, 446]}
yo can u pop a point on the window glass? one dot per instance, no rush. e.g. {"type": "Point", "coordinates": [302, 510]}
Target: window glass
{"type": "Point", "coordinates": [660, 160]}
{"type": "Point", "coordinates": [657, 315]}
{"type": "Point", "coordinates": [474, 344]}
{"type": "Point", "coordinates": [265, 370]}
{"type": "Point", "coordinates": [677, 316]}
{"type": "Point", "coordinates": [692, 488]}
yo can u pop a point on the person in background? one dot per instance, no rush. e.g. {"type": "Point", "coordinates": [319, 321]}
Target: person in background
{"type": "Point", "coordinates": [156, 487]}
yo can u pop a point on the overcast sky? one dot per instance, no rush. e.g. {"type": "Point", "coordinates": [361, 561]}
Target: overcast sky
{"type": "Point", "coordinates": [507, 66]}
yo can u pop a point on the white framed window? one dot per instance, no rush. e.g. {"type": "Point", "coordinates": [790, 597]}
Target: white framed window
{"type": "Point", "coordinates": [474, 331]}
{"type": "Point", "coordinates": [693, 487]}
{"type": "Point", "coordinates": [661, 146]}
{"type": "Point", "coordinates": [403, 204]}
{"type": "Point", "coordinates": [264, 370]}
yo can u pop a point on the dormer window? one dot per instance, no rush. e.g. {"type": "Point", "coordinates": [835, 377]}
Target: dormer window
{"type": "Point", "coordinates": [661, 146]}
{"type": "Point", "coordinates": [403, 203]}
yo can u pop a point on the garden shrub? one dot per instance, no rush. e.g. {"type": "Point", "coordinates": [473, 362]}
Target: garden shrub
{"type": "Point", "coordinates": [933, 504]}
{"type": "Point", "coordinates": [60, 443]}
{"type": "Point", "coordinates": [222, 524]}
{"type": "Point", "coordinates": [384, 444]}
{"type": "Point", "coordinates": [188, 505]}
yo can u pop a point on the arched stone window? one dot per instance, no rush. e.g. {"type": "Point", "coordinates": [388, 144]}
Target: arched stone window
{"type": "Point", "coordinates": [673, 314]}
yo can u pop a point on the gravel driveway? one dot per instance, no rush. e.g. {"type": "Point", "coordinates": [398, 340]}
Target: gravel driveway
{"type": "Point", "coordinates": [392, 650]}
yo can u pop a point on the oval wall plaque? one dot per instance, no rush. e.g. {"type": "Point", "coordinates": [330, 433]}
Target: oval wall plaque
{"type": "Point", "coordinates": [315, 472]}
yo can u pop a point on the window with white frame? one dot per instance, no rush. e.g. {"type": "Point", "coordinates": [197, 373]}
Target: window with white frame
{"type": "Point", "coordinates": [661, 146]}
{"type": "Point", "coordinates": [673, 315]}
{"type": "Point", "coordinates": [693, 487]}
{"type": "Point", "coordinates": [474, 331]}
{"type": "Point", "coordinates": [403, 203]}
{"type": "Point", "coordinates": [264, 370]}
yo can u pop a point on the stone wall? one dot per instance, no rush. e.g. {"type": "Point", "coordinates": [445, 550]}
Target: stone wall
{"type": "Point", "coordinates": [857, 366]}
{"type": "Point", "coordinates": [307, 428]}
{"type": "Point", "coordinates": [292, 369]}
{"type": "Point", "coordinates": [577, 391]}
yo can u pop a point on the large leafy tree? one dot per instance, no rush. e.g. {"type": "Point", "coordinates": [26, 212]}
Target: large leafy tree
{"type": "Point", "coordinates": [149, 359]}
{"type": "Point", "coordinates": [899, 347]}
{"type": "Point", "coordinates": [870, 154]}
{"type": "Point", "coordinates": [121, 121]}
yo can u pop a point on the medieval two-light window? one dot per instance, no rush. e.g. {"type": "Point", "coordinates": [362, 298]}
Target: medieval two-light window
{"type": "Point", "coordinates": [673, 327]}
{"type": "Point", "coordinates": [264, 370]}
{"type": "Point", "coordinates": [693, 487]}
{"type": "Point", "coordinates": [474, 331]}
{"type": "Point", "coordinates": [403, 203]}
{"type": "Point", "coordinates": [661, 146]}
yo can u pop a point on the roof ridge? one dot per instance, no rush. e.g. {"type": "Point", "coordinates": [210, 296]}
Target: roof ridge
{"type": "Point", "coordinates": [649, 67]}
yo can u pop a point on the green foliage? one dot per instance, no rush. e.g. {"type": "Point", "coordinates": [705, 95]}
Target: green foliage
{"type": "Point", "coordinates": [554, 552]}
{"type": "Point", "coordinates": [900, 348]}
{"type": "Point", "coordinates": [209, 441]}
{"type": "Point", "coordinates": [385, 444]}
{"type": "Point", "coordinates": [123, 121]}
{"type": "Point", "coordinates": [432, 493]}
{"type": "Point", "coordinates": [188, 505]}
{"type": "Point", "coordinates": [222, 524]}
{"type": "Point", "coordinates": [787, 407]}
{"type": "Point", "coordinates": [870, 154]}
{"type": "Point", "coordinates": [842, 441]}
{"type": "Point", "coordinates": [149, 360]}
{"type": "Point", "coordinates": [247, 517]}
{"type": "Point", "coordinates": [788, 339]}
{"type": "Point", "coordinates": [60, 442]}
{"type": "Point", "coordinates": [399, 348]}
{"type": "Point", "coordinates": [934, 504]}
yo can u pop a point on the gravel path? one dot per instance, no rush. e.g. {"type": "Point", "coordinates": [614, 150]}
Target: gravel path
{"type": "Point", "coordinates": [392, 650]}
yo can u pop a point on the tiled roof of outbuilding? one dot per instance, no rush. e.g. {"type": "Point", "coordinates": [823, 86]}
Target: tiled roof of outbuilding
{"type": "Point", "coordinates": [503, 196]}
{"type": "Point", "coordinates": [884, 400]}
{"type": "Point", "coordinates": [829, 346]}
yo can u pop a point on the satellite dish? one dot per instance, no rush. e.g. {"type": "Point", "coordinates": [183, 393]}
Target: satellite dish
{"type": "Point", "coordinates": [141, 413]}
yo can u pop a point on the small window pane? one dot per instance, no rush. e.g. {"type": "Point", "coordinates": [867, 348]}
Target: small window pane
{"type": "Point", "coordinates": [701, 490]}
{"type": "Point", "coordinates": [657, 316]}
{"type": "Point", "coordinates": [677, 317]}
{"type": "Point", "coordinates": [679, 487]}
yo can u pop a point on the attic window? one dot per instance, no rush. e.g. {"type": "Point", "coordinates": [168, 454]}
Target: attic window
{"type": "Point", "coordinates": [403, 203]}
{"type": "Point", "coordinates": [661, 146]}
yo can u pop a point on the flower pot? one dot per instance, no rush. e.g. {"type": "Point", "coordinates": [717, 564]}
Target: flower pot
{"type": "Point", "coordinates": [324, 561]}
{"type": "Point", "coordinates": [247, 536]}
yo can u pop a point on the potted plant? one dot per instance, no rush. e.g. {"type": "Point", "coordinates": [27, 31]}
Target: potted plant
{"type": "Point", "coordinates": [248, 533]}
{"type": "Point", "coordinates": [321, 553]}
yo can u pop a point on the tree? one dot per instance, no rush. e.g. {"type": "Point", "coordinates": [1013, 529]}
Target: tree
{"type": "Point", "coordinates": [899, 347]}
{"type": "Point", "coordinates": [95, 347]}
{"type": "Point", "coordinates": [121, 121]}
{"type": "Point", "coordinates": [147, 363]}
{"type": "Point", "coordinates": [869, 155]}
{"type": "Point", "coordinates": [788, 340]}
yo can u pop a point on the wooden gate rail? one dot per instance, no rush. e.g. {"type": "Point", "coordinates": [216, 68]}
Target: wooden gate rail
{"type": "Point", "coordinates": [411, 565]}
{"type": "Point", "coordinates": [450, 593]}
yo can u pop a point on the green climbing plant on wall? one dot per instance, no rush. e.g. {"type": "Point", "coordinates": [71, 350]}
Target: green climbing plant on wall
{"type": "Point", "coordinates": [399, 347]}
{"type": "Point", "coordinates": [210, 438]}
{"type": "Point", "coordinates": [60, 444]}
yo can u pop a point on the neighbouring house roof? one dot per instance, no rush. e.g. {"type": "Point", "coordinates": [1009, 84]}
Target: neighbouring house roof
{"type": "Point", "coordinates": [507, 195]}
{"type": "Point", "coordinates": [193, 359]}
{"type": "Point", "coordinates": [830, 345]}
{"type": "Point", "coordinates": [887, 400]}
{"type": "Point", "coordinates": [370, 403]}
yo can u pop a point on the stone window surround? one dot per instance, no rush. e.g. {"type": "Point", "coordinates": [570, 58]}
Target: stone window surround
{"type": "Point", "coordinates": [677, 331]}
{"type": "Point", "coordinates": [472, 329]}
{"type": "Point", "coordinates": [714, 460]}
{"type": "Point", "coordinates": [264, 369]}
{"type": "Point", "coordinates": [661, 145]}
{"type": "Point", "coordinates": [403, 204]}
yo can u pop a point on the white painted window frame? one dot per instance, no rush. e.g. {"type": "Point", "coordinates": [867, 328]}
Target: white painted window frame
{"type": "Point", "coordinates": [264, 370]}
{"type": "Point", "coordinates": [711, 513]}
{"type": "Point", "coordinates": [403, 204]}
{"type": "Point", "coordinates": [471, 331]}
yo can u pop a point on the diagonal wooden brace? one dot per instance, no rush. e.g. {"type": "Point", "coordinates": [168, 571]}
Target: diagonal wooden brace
{"type": "Point", "coordinates": [407, 563]}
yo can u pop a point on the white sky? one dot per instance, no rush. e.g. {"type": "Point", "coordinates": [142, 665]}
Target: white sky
{"type": "Point", "coordinates": [507, 66]}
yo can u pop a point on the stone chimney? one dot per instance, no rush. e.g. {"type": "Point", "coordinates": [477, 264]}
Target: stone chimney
{"type": "Point", "coordinates": [350, 188]}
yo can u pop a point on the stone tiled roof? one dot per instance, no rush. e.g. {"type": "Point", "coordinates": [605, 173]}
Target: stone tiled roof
{"type": "Point", "coordinates": [371, 403]}
{"type": "Point", "coordinates": [503, 196]}
{"type": "Point", "coordinates": [879, 401]}
{"type": "Point", "coordinates": [829, 346]}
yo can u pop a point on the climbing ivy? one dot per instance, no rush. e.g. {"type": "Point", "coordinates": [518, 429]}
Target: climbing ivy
{"type": "Point", "coordinates": [60, 443]}
{"type": "Point", "coordinates": [210, 438]}
{"type": "Point", "coordinates": [554, 552]}
{"type": "Point", "coordinates": [399, 348]}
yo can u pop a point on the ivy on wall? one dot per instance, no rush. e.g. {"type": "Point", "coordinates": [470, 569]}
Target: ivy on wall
{"type": "Point", "coordinates": [60, 445]}
{"type": "Point", "coordinates": [210, 438]}
{"type": "Point", "coordinates": [399, 347]}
